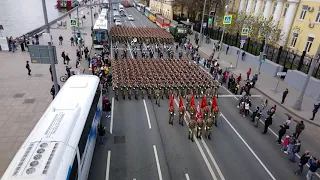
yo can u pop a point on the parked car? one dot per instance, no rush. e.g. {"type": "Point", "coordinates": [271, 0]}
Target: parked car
{"type": "Point", "coordinates": [130, 18]}
{"type": "Point", "coordinates": [118, 22]}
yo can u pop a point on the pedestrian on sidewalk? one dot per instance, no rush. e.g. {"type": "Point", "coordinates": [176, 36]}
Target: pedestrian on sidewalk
{"type": "Point", "coordinates": [102, 132]}
{"type": "Point", "coordinates": [67, 59]}
{"type": "Point", "coordinates": [72, 41]}
{"type": "Point", "coordinates": [53, 91]}
{"type": "Point", "coordinates": [281, 133]}
{"type": "Point", "coordinates": [60, 40]}
{"type": "Point", "coordinates": [50, 69]}
{"type": "Point", "coordinates": [243, 55]}
{"type": "Point", "coordinates": [63, 55]}
{"type": "Point", "coordinates": [227, 49]}
{"type": "Point", "coordinates": [284, 95]}
{"type": "Point", "coordinates": [254, 80]}
{"type": "Point", "coordinates": [28, 68]}
{"type": "Point", "coordinates": [315, 110]}
{"type": "Point", "coordinates": [86, 52]}
{"type": "Point", "coordinates": [22, 45]}
{"type": "Point", "coordinates": [313, 168]}
{"type": "Point", "coordinates": [299, 128]}
{"type": "Point", "coordinates": [248, 74]}
{"type": "Point", "coordinates": [296, 149]}
{"type": "Point", "coordinates": [303, 161]}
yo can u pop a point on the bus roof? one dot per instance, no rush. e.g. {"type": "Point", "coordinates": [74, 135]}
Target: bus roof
{"type": "Point", "coordinates": [51, 144]}
{"type": "Point", "coordinates": [147, 8]}
{"type": "Point", "coordinates": [101, 24]}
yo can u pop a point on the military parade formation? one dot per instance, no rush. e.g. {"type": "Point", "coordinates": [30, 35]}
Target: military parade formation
{"type": "Point", "coordinates": [142, 34]}
{"type": "Point", "coordinates": [158, 79]}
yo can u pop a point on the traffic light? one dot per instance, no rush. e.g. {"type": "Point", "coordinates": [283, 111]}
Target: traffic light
{"type": "Point", "coordinates": [210, 19]}
{"type": "Point", "coordinates": [79, 36]}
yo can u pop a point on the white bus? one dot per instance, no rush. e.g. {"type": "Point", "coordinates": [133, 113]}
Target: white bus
{"type": "Point", "coordinates": [104, 13]}
{"type": "Point", "coordinates": [62, 143]}
{"type": "Point", "coordinates": [100, 33]}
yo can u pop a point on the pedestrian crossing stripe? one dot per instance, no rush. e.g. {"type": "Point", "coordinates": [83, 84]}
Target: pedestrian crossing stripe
{"type": "Point", "coordinates": [73, 22]}
{"type": "Point", "coordinates": [227, 19]}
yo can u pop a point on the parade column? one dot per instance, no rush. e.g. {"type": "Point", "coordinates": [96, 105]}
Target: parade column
{"type": "Point", "coordinates": [249, 7]}
{"type": "Point", "coordinates": [277, 13]}
{"type": "Point", "coordinates": [267, 9]}
{"type": "Point", "coordinates": [241, 6]}
{"type": "Point", "coordinates": [288, 20]}
{"type": "Point", "coordinates": [257, 8]}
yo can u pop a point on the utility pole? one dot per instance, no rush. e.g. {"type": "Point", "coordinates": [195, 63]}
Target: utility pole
{"type": "Point", "coordinates": [224, 29]}
{"type": "Point", "coordinates": [297, 105]}
{"type": "Point", "coordinates": [201, 28]}
{"type": "Point", "coordinates": [53, 66]}
{"type": "Point", "coordinates": [79, 32]}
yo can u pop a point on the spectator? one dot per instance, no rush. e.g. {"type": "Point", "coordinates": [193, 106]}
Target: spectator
{"type": "Point", "coordinates": [303, 161]}
{"type": "Point", "coordinates": [243, 55]}
{"type": "Point", "coordinates": [315, 110]}
{"type": "Point", "coordinates": [284, 95]}
{"type": "Point", "coordinates": [292, 142]}
{"type": "Point", "coordinates": [296, 149]}
{"type": "Point", "coordinates": [299, 128]}
{"type": "Point", "coordinates": [267, 123]}
{"type": "Point", "coordinates": [313, 168]}
{"type": "Point", "coordinates": [53, 91]}
{"type": "Point", "coordinates": [254, 80]}
{"type": "Point", "coordinates": [281, 133]}
{"type": "Point", "coordinates": [248, 74]}
{"type": "Point", "coordinates": [285, 144]}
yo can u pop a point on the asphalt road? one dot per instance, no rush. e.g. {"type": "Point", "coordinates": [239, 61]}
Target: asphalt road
{"type": "Point", "coordinates": [142, 145]}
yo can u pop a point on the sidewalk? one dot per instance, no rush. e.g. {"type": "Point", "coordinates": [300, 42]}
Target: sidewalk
{"type": "Point", "coordinates": [266, 85]}
{"type": "Point", "coordinates": [23, 98]}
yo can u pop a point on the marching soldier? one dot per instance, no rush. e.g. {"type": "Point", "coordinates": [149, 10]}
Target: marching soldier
{"type": "Point", "coordinates": [161, 91]}
{"type": "Point", "coordinates": [181, 115]}
{"type": "Point", "coordinates": [208, 92]}
{"type": "Point", "coordinates": [193, 112]}
{"type": "Point", "coordinates": [136, 92]}
{"type": "Point", "coordinates": [200, 124]}
{"type": "Point", "coordinates": [208, 127]}
{"type": "Point", "coordinates": [171, 115]}
{"type": "Point", "coordinates": [157, 94]}
{"type": "Point", "coordinates": [192, 125]}
{"type": "Point", "coordinates": [129, 92]}
{"type": "Point", "coordinates": [205, 113]}
{"type": "Point", "coordinates": [149, 91]}
{"type": "Point", "coordinates": [215, 116]}
{"type": "Point", "coordinates": [142, 91]}
{"type": "Point", "coordinates": [216, 88]}
{"type": "Point", "coordinates": [116, 92]}
{"type": "Point", "coordinates": [123, 89]}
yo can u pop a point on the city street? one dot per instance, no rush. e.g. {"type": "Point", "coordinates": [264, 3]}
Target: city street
{"type": "Point", "coordinates": [142, 145]}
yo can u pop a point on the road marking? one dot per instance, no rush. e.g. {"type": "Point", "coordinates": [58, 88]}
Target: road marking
{"type": "Point", "coordinates": [201, 151]}
{"type": "Point", "coordinates": [157, 161]}
{"type": "Point", "coordinates": [254, 154]}
{"type": "Point", "coordinates": [145, 107]}
{"type": "Point", "coordinates": [108, 165]}
{"type": "Point", "coordinates": [111, 121]}
{"type": "Point", "coordinates": [134, 179]}
{"type": "Point", "coordinates": [187, 176]}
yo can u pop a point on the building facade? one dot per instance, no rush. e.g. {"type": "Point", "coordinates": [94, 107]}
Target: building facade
{"type": "Point", "coordinates": [298, 19]}
{"type": "Point", "coordinates": [163, 7]}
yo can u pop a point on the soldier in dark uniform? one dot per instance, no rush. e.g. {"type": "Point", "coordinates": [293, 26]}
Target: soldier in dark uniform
{"type": "Point", "coordinates": [181, 115]}
{"type": "Point", "coordinates": [161, 88]}
{"type": "Point", "coordinates": [136, 91]}
{"type": "Point", "coordinates": [192, 126]}
{"type": "Point", "coordinates": [123, 90]}
{"type": "Point", "coordinates": [129, 91]}
{"type": "Point", "coordinates": [116, 92]}
{"type": "Point", "coordinates": [157, 94]}
{"type": "Point", "coordinates": [149, 90]}
{"type": "Point", "coordinates": [142, 90]}
{"type": "Point", "coordinates": [171, 115]}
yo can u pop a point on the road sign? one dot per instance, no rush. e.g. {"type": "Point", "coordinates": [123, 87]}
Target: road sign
{"type": "Point", "coordinates": [73, 22]}
{"type": "Point", "coordinates": [281, 73]}
{"type": "Point", "coordinates": [243, 37]}
{"type": "Point", "coordinates": [245, 32]}
{"type": "Point", "coordinates": [227, 19]}
{"type": "Point", "coordinates": [204, 25]}
{"type": "Point", "coordinates": [39, 54]}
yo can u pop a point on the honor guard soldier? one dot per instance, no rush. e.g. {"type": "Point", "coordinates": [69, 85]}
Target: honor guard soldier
{"type": "Point", "coordinates": [136, 91]}
{"type": "Point", "coordinates": [215, 116]}
{"type": "Point", "coordinates": [181, 115]}
{"type": "Point", "coordinates": [142, 91]}
{"type": "Point", "coordinates": [149, 91]}
{"type": "Point", "coordinates": [157, 94]}
{"type": "Point", "coordinates": [200, 124]}
{"type": "Point", "coordinates": [208, 127]}
{"type": "Point", "coordinates": [116, 92]}
{"type": "Point", "coordinates": [123, 90]}
{"type": "Point", "coordinates": [129, 91]}
{"type": "Point", "coordinates": [171, 115]}
{"type": "Point", "coordinates": [193, 112]}
{"type": "Point", "coordinates": [161, 88]}
{"type": "Point", "coordinates": [192, 125]}
{"type": "Point", "coordinates": [208, 92]}
{"type": "Point", "coordinates": [205, 113]}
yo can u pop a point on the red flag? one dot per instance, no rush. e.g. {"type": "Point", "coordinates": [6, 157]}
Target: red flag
{"type": "Point", "coordinates": [203, 102]}
{"type": "Point", "coordinates": [171, 101]}
{"type": "Point", "coordinates": [192, 103]}
{"type": "Point", "coordinates": [214, 103]}
{"type": "Point", "coordinates": [180, 102]}
{"type": "Point", "coordinates": [199, 113]}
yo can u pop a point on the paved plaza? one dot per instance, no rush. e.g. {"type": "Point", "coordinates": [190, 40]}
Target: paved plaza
{"type": "Point", "coordinates": [23, 98]}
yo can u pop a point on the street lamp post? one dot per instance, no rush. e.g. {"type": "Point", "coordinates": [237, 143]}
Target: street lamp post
{"type": "Point", "coordinates": [297, 105]}
{"type": "Point", "coordinates": [224, 29]}
{"type": "Point", "coordinates": [91, 2]}
{"type": "Point", "coordinates": [53, 66]}
{"type": "Point", "coordinates": [201, 28]}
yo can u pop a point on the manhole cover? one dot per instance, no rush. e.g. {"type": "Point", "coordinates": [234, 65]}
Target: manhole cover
{"type": "Point", "coordinates": [18, 95]}
{"type": "Point", "coordinates": [119, 139]}
{"type": "Point", "coordinates": [38, 75]}
{"type": "Point", "coordinates": [29, 101]}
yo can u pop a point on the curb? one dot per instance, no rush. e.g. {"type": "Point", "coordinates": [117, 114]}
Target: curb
{"type": "Point", "coordinates": [279, 104]}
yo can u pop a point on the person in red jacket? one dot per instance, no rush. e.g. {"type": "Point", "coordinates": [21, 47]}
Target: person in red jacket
{"type": "Point", "coordinates": [248, 74]}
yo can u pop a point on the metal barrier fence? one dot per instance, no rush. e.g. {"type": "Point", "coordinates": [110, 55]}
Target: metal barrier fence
{"type": "Point", "coordinates": [284, 57]}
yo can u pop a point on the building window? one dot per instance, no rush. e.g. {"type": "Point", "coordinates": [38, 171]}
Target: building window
{"type": "Point", "coordinates": [318, 16]}
{"type": "Point", "coordinates": [309, 44]}
{"type": "Point", "coordinates": [285, 10]}
{"type": "Point", "coordinates": [274, 7]}
{"type": "Point", "coordinates": [303, 12]}
{"type": "Point", "coordinates": [294, 39]}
